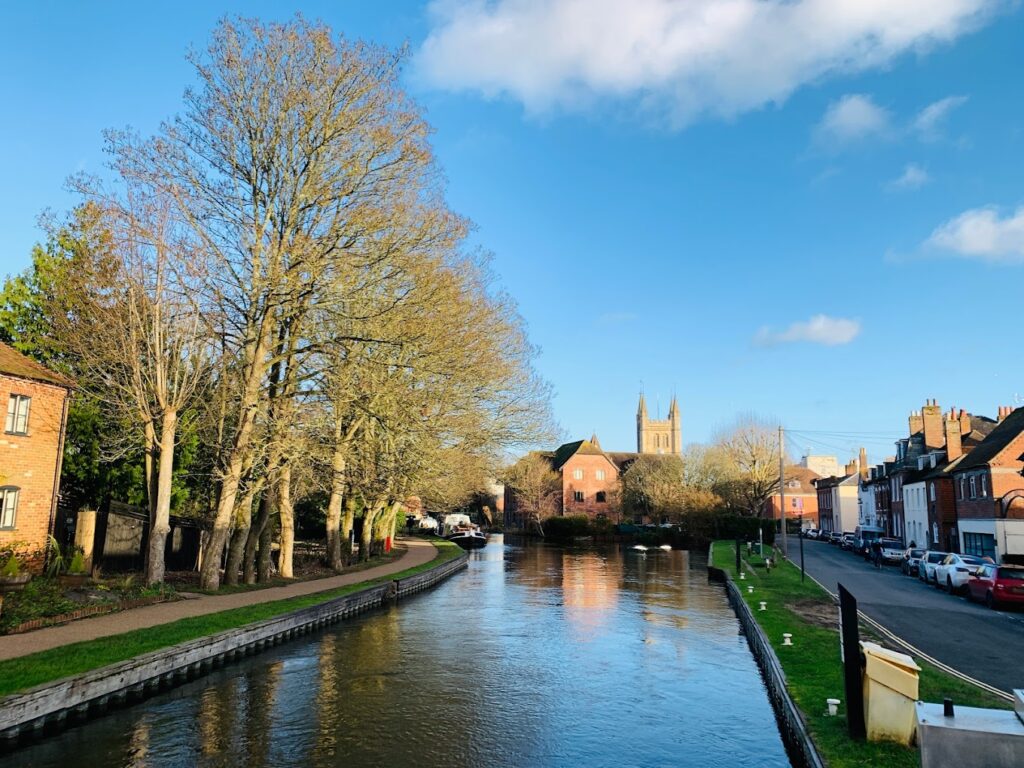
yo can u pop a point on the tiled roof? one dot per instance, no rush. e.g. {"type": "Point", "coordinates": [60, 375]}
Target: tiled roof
{"type": "Point", "coordinates": [566, 451]}
{"type": "Point", "coordinates": [1000, 437]}
{"type": "Point", "coordinates": [13, 363]}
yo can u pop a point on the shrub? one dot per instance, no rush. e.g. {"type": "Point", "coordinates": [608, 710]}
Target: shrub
{"type": "Point", "coordinates": [77, 562]}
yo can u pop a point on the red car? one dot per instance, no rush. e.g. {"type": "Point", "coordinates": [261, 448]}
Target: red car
{"type": "Point", "coordinates": [997, 585]}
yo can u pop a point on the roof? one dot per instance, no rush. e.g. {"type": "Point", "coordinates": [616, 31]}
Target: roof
{"type": "Point", "coordinates": [566, 451]}
{"type": "Point", "coordinates": [13, 363]}
{"type": "Point", "coordinates": [804, 476]}
{"type": "Point", "coordinates": [621, 459]}
{"type": "Point", "coordinates": [998, 439]}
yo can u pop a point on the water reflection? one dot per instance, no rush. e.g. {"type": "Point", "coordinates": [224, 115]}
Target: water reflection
{"type": "Point", "coordinates": [537, 656]}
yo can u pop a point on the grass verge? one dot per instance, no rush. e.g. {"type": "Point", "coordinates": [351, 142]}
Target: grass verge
{"type": "Point", "coordinates": [29, 671]}
{"type": "Point", "coordinates": [812, 666]}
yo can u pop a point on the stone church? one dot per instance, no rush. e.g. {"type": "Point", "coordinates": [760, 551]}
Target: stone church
{"type": "Point", "coordinates": [659, 435]}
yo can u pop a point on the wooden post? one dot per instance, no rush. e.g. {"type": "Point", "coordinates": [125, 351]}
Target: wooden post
{"type": "Point", "coordinates": [851, 665]}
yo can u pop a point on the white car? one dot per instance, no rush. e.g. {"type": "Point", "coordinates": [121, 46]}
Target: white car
{"type": "Point", "coordinates": [929, 562]}
{"type": "Point", "coordinates": [955, 571]}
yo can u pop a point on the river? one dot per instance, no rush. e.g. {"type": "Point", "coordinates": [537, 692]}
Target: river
{"type": "Point", "coordinates": [534, 656]}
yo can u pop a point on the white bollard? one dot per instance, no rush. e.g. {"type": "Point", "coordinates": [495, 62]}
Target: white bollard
{"type": "Point", "coordinates": [750, 589]}
{"type": "Point", "coordinates": [787, 638]}
{"type": "Point", "coordinates": [763, 604]}
{"type": "Point", "coordinates": [743, 576]}
{"type": "Point", "coordinates": [833, 706]}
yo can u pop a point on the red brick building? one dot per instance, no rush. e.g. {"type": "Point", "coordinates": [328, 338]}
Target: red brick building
{"type": "Point", "coordinates": [35, 400]}
{"type": "Point", "coordinates": [801, 497]}
{"type": "Point", "coordinates": [989, 491]}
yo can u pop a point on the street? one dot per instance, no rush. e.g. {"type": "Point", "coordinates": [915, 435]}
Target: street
{"type": "Point", "coordinates": [979, 642]}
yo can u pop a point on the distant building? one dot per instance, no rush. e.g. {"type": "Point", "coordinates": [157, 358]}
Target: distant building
{"type": "Point", "coordinates": [822, 466]}
{"type": "Point", "coordinates": [659, 435]}
{"type": "Point", "coordinates": [31, 447]}
{"type": "Point", "coordinates": [801, 497]}
{"type": "Point", "coordinates": [838, 510]}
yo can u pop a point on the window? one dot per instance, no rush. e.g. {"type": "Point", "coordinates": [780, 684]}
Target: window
{"type": "Point", "coordinates": [974, 487]}
{"type": "Point", "coordinates": [8, 506]}
{"type": "Point", "coordinates": [599, 474]}
{"type": "Point", "coordinates": [17, 415]}
{"type": "Point", "coordinates": [931, 491]}
{"type": "Point", "coordinates": [980, 544]}
{"type": "Point", "coordinates": [577, 474]}
{"type": "Point", "coordinates": [984, 486]}
{"type": "Point", "coordinates": [600, 497]}
{"type": "Point", "coordinates": [577, 495]}
{"type": "Point", "coordinates": [961, 488]}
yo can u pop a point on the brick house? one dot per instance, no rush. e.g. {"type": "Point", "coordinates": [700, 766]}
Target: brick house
{"type": "Point", "coordinates": [801, 497]}
{"type": "Point", "coordinates": [838, 510]}
{"type": "Point", "coordinates": [589, 477]}
{"type": "Point", "coordinates": [989, 492]}
{"type": "Point", "coordinates": [31, 447]}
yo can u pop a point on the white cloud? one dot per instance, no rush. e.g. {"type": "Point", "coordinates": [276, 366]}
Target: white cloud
{"type": "Point", "coordinates": [854, 116]}
{"type": "Point", "coordinates": [820, 329]}
{"type": "Point", "coordinates": [679, 58]}
{"type": "Point", "coordinates": [913, 177]}
{"type": "Point", "coordinates": [929, 120]}
{"type": "Point", "coordinates": [983, 234]}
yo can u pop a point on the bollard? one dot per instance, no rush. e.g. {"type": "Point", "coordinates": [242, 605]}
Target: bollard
{"type": "Point", "coordinates": [750, 589]}
{"type": "Point", "coordinates": [787, 638]}
{"type": "Point", "coordinates": [743, 576]}
{"type": "Point", "coordinates": [763, 604]}
{"type": "Point", "coordinates": [833, 706]}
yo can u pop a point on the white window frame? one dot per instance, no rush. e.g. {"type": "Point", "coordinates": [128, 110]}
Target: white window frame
{"type": "Point", "coordinates": [578, 497]}
{"type": "Point", "coordinates": [599, 474]}
{"type": "Point", "coordinates": [9, 495]}
{"type": "Point", "coordinates": [973, 482]}
{"type": "Point", "coordinates": [577, 474]}
{"type": "Point", "coordinates": [984, 486]}
{"type": "Point", "coordinates": [18, 407]}
{"type": "Point", "coordinates": [931, 491]}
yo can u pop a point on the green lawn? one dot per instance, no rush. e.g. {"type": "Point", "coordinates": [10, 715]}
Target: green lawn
{"type": "Point", "coordinates": [813, 669]}
{"type": "Point", "coordinates": [29, 671]}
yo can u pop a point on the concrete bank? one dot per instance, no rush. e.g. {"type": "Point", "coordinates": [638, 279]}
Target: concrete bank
{"type": "Point", "coordinates": [795, 735]}
{"type": "Point", "coordinates": [52, 706]}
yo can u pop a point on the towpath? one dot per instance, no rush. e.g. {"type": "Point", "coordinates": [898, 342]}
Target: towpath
{"type": "Point", "coordinates": [418, 552]}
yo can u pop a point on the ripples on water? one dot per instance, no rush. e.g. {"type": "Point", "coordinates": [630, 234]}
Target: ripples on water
{"type": "Point", "coordinates": [536, 656]}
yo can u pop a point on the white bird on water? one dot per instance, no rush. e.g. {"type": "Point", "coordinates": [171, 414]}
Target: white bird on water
{"type": "Point", "coordinates": [639, 547]}
{"type": "Point", "coordinates": [666, 547]}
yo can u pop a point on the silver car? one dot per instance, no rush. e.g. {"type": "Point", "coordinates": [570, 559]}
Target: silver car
{"type": "Point", "coordinates": [929, 560]}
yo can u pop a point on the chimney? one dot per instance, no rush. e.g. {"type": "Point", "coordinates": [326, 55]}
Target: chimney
{"type": "Point", "coordinates": [954, 434]}
{"type": "Point", "coordinates": [916, 423]}
{"type": "Point", "coordinates": [965, 423]}
{"type": "Point", "coordinates": [851, 467]}
{"type": "Point", "coordinates": [1004, 411]}
{"type": "Point", "coordinates": [931, 415]}
{"type": "Point", "coordinates": [863, 464]}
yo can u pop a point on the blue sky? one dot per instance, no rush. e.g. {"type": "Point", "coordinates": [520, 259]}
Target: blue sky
{"type": "Point", "coordinates": [806, 210]}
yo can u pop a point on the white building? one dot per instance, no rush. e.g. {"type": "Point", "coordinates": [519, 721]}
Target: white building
{"type": "Point", "coordinates": [822, 466]}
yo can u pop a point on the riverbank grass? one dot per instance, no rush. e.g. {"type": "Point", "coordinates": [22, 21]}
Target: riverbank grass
{"type": "Point", "coordinates": [27, 672]}
{"type": "Point", "coordinates": [812, 665]}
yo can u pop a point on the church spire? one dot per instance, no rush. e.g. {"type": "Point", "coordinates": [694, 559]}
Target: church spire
{"type": "Point", "coordinates": [594, 442]}
{"type": "Point", "coordinates": [673, 408]}
{"type": "Point", "coordinates": [642, 408]}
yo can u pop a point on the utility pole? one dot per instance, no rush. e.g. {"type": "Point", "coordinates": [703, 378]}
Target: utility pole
{"type": "Point", "coordinates": [782, 491]}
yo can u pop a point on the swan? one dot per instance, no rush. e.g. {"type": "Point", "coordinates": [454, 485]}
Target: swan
{"type": "Point", "coordinates": [639, 547]}
{"type": "Point", "coordinates": [666, 547]}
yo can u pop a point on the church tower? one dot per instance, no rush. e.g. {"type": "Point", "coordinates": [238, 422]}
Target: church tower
{"type": "Point", "coordinates": [663, 436]}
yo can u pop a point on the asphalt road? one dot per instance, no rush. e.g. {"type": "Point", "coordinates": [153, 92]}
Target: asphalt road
{"type": "Point", "coordinates": [985, 644]}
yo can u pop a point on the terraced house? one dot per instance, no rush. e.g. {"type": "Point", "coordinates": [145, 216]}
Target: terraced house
{"type": "Point", "coordinates": [31, 445]}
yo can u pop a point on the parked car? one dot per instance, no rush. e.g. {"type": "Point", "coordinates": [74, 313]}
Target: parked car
{"type": "Point", "coordinates": [833, 537]}
{"type": "Point", "coordinates": [811, 533]}
{"type": "Point", "coordinates": [997, 585]}
{"type": "Point", "coordinates": [892, 550]}
{"type": "Point", "coordinates": [846, 540]}
{"type": "Point", "coordinates": [929, 562]}
{"type": "Point", "coordinates": [954, 571]}
{"type": "Point", "coordinates": [911, 561]}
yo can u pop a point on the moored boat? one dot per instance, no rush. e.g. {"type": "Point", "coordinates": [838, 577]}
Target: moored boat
{"type": "Point", "coordinates": [468, 539]}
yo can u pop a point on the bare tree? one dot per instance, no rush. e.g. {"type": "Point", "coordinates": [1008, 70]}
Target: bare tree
{"type": "Point", "coordinates": [751, 447]}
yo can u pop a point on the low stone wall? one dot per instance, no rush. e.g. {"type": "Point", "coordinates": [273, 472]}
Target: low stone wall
{"type": "Point", "coordinates": [51, 706]}
{"type": "Point", "coordinates": [798, 741]}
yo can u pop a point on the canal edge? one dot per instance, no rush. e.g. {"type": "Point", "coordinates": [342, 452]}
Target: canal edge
{"type": "Point", "coordinates": [52, 706]}
{"type": "Point", "coordinates": [791, 722]}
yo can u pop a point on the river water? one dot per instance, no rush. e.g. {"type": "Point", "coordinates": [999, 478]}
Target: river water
{"type": "Point", "coordinates": [535, 656]}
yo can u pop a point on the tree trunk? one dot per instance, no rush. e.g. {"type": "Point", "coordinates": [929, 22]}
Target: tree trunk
{"type": "Point", "coordinates": [370, 515]}
{"type": "Point", "coordinates": [348, 520]}
{"type": "Point", "coordinates": [249, 406]}
{"type": "Point", "coordinates": [334, 506]}
{"type": "Point", "coordinates": [253, 539]}
{"type": "Point", "coordinates": [161, 519]}
{"type": "Point", "coordinates": [287, 511]}
{"type": "Point", "coordinates": [240, 536]}
{"type": "Point", "coordinates": [264, 564]}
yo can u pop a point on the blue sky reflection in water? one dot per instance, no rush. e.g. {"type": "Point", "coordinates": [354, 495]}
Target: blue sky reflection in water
{"type": "Point", "coordinates": [537, 656]}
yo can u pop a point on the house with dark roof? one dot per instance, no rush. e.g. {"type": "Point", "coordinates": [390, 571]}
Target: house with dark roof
{"type": "Point", "coordinates": [989, 492]}
{"type": "Point", "coordinates": [801, 497]}
{"type": "Point", "coordinates": [31, 447]}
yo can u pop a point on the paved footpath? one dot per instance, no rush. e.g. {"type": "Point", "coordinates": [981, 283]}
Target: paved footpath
{"type": "Point", "coordinates": [418, 552]}
{"type": "Point", "coordinates": [979, 642]}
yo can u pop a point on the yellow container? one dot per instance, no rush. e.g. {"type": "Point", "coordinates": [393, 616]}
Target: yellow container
{"type": "Point", "coordinates": [890, 692]}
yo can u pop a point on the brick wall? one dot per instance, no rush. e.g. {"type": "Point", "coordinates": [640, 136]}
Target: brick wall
{"type": "Point", "coordinates": [29, 462]}
{"type": "Point", "coordinates": [589, 485]}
